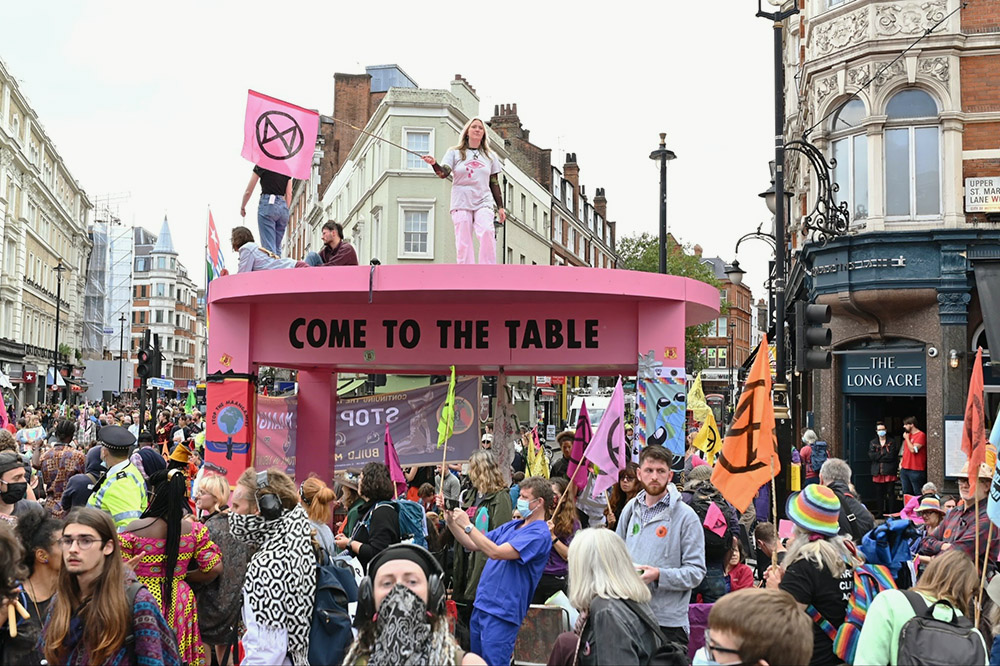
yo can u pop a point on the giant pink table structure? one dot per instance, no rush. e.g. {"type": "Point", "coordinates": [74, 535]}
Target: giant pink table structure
{"type": "Point", "coordinates": [420, 319]}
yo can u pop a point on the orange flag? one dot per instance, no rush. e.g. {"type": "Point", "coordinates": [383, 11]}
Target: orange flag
{"type": "Point", "coordinates": [751, 447]}
{"type": "Point", "coordinates": [974, 431]}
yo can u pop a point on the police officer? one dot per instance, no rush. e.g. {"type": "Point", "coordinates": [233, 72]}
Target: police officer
{"type": "Point", "coordinates": [121, 491]}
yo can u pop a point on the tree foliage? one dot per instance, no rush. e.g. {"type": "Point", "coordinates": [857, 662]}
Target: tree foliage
{"type": "Point", "coordinates": [641, 252]}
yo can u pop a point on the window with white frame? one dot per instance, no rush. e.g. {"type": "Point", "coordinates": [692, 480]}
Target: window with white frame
{"type": "Point", "coordinates": [416, 229]}
{"type": "Point", "coordinates": [912, 155]}
{"type": "Point", "coordinates": [524, 207]}
{"type": "Point", "coordinates": [850, 150]}
{"type": "Point", "coordinates": [376, 235]}
{"type": "Point", "coordinates": [534, 216]}
{"type": "Point", "coordinates": [419, 140]}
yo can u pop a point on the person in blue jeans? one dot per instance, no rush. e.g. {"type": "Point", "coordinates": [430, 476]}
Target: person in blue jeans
{"type": "Point", "coordinates": [517, 552]}
{"type": "Point", "coordinates": [272, 209]}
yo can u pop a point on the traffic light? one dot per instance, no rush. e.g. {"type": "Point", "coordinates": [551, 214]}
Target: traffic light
{"type": "Point", "coordinates": [144, 368]}
{"type": "Point", "coordinates": [810, 334]}
{"type": "Point", "coordinates": [156, 357]}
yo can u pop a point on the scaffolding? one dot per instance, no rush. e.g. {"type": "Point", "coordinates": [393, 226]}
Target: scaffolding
{"type": "Point", "coordinates": [108, 293]}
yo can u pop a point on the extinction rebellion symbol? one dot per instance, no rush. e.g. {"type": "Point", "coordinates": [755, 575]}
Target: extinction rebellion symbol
{"type": "Point", "coordinates": [279, 135]}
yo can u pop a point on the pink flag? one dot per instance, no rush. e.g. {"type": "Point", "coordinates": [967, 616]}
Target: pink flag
{"type": "Point", "coordinates": [581, 439]}
{"type": "Point", "coordinates": [279, 136]}
{"type": "Point", "coordinates": [607, 449]}
{"type": "Point", "coordinates": [392, 460]}
{"type": "Point", "coordinates": [3, 412]}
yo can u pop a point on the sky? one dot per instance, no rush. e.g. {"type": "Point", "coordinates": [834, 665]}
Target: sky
{"type": "Point", "coordinates": [148, 99]}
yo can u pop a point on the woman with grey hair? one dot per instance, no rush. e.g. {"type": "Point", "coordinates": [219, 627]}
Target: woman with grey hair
{"type": "Point", "coordinates": [805, 455]}
{"type": "Point", "coordinates": [616, 625]}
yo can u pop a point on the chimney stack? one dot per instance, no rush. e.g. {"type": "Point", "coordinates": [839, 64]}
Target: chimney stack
{"type": "Point", "coordinates": [571, 172]}
{"type": "Point", "coordinates": [506, 122]}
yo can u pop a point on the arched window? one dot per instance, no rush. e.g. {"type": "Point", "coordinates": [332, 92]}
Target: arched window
{"type": "Point", "coordinates": [912, 155]}
{"type": "Point", "coordinates": [850, 149]}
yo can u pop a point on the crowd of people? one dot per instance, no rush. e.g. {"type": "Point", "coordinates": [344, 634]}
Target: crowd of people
{"type": "Point", "coordinates": [120, 545]}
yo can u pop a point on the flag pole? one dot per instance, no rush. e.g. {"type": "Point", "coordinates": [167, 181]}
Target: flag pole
{"type": "Point", "coordinates": [982, 582]}
{"type": "Point", "coordinates": [774, 514]}
{"type": "Point", "coordinates": [977, 540]}
{"type": "Point", "coordinates": [375, 136]}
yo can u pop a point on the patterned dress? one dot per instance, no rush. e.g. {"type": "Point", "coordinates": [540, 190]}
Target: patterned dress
{"type": "Point", "coordinates": [183, 616]}
{"type": "Point", "coordinates": [58, 464]}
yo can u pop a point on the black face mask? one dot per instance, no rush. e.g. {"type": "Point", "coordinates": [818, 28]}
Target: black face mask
{"type": "Point", "coordinates": [15, 493]}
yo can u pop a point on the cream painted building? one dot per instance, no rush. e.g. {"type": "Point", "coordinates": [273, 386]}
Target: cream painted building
{"type": "Point", "coordinates": [44, 216]}
{"type": "Point", "coordinates": [392, 205]}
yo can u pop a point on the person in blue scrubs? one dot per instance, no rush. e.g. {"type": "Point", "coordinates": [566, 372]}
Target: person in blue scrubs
{"type": "Point", "coordinates": [517, 552]}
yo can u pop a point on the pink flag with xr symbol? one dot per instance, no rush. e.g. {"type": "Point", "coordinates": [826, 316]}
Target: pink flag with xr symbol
{"type": "Point", "coordinates": [279, 136]}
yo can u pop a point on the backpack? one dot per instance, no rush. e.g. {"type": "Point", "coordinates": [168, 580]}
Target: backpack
{"type": "Point", "coordinates": [925, 639]}
{"type": "Point", "coordinates": [869, 580]}
{"type": "Point", "coordinates": [819, 455]}
{"type": "Point", "coordinates": [716, 544]}
{"type": "Point", "coordinates": [330, 633]}
{"type": "Point", "coordinates": [412, 521]}
{"type": "Point", "coordinates": [859, 519]}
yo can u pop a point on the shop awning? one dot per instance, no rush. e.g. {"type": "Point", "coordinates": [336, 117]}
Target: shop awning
{"type": "Point", "coordinates": [988, 283]}
{"type": "Point", "coordinates": [547, 392]}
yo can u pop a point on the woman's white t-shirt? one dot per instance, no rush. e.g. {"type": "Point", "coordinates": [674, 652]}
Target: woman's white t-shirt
{"type": "Point", "coordinates": [470, 188]}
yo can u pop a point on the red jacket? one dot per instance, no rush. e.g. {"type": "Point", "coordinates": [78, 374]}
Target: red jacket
{"type": "Point", "coordinates": [740, 577]}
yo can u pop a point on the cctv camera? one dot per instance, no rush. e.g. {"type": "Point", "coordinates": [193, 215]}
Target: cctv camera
{"type": "Point", "coordinates": [932, 351]}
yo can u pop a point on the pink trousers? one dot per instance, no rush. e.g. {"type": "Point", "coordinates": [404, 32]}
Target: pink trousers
{"type": "Point", "coordinates": [482, 221]}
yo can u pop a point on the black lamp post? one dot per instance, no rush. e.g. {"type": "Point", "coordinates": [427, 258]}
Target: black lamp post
{"type": "Point", "coordinates": [121, 350]}
{"type": "Point", "coordinates": [662, 155]}
{"type": "Point", "coordinates": [55, 350]}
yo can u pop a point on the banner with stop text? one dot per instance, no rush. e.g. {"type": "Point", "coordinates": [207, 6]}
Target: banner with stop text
{"type": "Point", "coordinates": [229, 425]}
{"type": "Point", "coordinates": [279, 136]}
{"type": "Point", "coordinates": [412, 417]}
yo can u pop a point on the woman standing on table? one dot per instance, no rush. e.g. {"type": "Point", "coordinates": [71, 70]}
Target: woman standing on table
{"type": "Point", "coordinates": [475, 189]}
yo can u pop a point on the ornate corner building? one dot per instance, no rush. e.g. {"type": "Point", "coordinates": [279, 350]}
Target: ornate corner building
{"type": "Point", "coordinates": [912, 119]}
{"type": "Point", "coordinates": [44, 216]}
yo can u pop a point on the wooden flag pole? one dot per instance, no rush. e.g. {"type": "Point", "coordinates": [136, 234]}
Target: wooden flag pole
{"type": "Point", "coordinates": [982, 582]}
{"type": "Point", "coordinates": [977, 560]}
{"type": "Point", "coordinates": [379, 138]}
{"type": "Point", "coordinates": [444, 466]}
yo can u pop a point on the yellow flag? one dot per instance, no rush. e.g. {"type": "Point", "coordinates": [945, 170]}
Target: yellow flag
{"type": "Point", "coordinates": [538, 464]}
{"type": "Point", "coordinates": [696, 401]}
{"type": "Point", "coordinates": [446, 426]}
{"type": "Point", "coordinates": [708, 440]}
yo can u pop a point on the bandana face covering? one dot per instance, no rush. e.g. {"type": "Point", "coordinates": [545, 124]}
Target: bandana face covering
{"type": "Point", "coordinates": [402, 630]}
{"type": "Point", "coordinates": [248, 528]}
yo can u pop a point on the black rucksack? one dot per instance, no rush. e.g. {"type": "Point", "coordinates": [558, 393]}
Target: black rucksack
{"type": "Point", "coordinates": [925, 639]}
{"type": "Point", "coordinates": [330, 633]}
{"type": "Point", "coordinates": [819, 455]}
{"type": "Point", "coordinates": [859, 519]}
{"type": "Point", "coordinates": [716, 545]}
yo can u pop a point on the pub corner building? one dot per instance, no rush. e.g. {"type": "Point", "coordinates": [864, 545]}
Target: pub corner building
{"type": "Point", "coordinates": [914, 284]}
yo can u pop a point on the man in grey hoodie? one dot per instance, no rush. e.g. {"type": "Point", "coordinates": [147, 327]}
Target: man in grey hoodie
{"type": "Point", "coordinates": [666, 541]}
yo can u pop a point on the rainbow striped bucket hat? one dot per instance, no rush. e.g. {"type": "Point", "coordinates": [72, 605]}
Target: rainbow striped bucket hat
{"type": "Point", "coordinates": [815, 509]}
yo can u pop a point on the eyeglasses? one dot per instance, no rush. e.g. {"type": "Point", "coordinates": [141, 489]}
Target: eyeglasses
{"type": "Point", "coordinates": [85, 542]}
{"type": "Point", "coordinates": [715, 647]}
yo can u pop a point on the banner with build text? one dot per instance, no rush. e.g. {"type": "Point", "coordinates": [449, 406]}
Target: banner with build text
{"type": "Point", "coordinates": [412, 417]}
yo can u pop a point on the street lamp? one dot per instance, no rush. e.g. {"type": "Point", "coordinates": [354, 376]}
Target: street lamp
{"type": "Point", "coordinates": [662, 155]}
{"type": "Point", "coordinates": [55, 351]}
{"type": "Point", "coordinates": [735, 273]}
{"type": "Point", "coordinates": [121, 350]}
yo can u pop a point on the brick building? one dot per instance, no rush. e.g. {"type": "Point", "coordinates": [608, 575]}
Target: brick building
{"type": "Point", "coordinates": [908, 284]}
{"type": "Point", "coordinates": [730, 337]}
{"type": "Point", "coordinates": [165, 301]}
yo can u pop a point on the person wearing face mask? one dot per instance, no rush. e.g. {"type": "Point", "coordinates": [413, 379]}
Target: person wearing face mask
{"type": "Point", "coordinates": [13, 489]}
{"type": "Point", "coordinates": [121, 490]}
{"type": "Point", "coordinates": [280, 584]}
{"type": "Point", "coordinates": [401, 616]}
{"type": "Point", "coordinates": [517, 552]}
{"type": "Point", "coordinates": [883, 451]}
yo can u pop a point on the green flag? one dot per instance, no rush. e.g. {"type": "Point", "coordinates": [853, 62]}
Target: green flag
{"type": "Point", "coordinates": [189, 406]}
{"type": "Point", "coordinates": [447, 423]}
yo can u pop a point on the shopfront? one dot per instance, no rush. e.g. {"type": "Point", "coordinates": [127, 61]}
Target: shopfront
{"type": "Point", "coordinates": [879, 383]}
